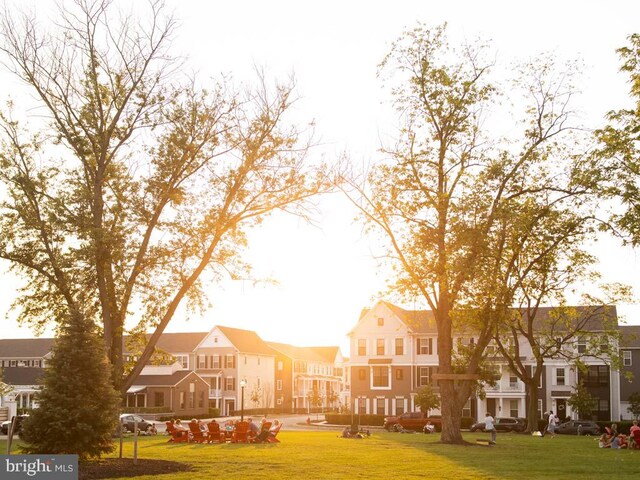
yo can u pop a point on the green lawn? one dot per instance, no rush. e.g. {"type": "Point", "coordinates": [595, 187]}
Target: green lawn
{"type": "Point", "coordinates": [320, 455]}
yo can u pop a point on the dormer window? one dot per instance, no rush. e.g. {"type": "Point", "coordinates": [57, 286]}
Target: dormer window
{"type": "Point", "coordinates": [380, 321]}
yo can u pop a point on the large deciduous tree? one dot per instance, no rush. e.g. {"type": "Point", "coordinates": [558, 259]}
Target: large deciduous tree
{"type": "Point", "coordinates": [134, 181]}
{"type": "Point", "coordinates": [440, 196]}
{"type": "Point", "coordinates": [618, 159]}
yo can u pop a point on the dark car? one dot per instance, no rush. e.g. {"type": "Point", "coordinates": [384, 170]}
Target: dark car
{"type": "Point", "coordinates": [128, 421]}
{"type": "Point", "coordinates": [4, 426]}
{"type": "Point", "coordinates": [411, 421]}
{"type": "Point", "coordinates": [503, 424]}
{"type": "Point", "coordinates": [578, 427]}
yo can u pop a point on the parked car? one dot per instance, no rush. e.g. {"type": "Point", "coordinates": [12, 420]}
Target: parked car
{"type": "Point", "coordinates": [412, 421]}
{"type": "Point", "coordinates": [128, 421]}
{"type": "Point", "coordinates": [586, 427]}
{"type": "Point", "coordinates": [503, 424]}
{"type": "Point", "coordinates": [4, 426]}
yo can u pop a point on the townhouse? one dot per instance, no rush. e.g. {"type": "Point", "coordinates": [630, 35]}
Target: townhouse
{"type": "Point", "coordinates": [394, 353]}
{"type": "Point", "coordinates": [225, 368]}
{"type": "Point", "coordinates": [303, 370]}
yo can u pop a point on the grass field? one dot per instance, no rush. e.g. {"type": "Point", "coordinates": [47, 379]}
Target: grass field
{"type": "Point", "coordinates": [320, 455]}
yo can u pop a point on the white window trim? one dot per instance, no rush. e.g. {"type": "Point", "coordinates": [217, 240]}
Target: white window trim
{"type": "Point", "coordinates": [626, 355]}
{"type": "Point", "coordinates": [388, 378]}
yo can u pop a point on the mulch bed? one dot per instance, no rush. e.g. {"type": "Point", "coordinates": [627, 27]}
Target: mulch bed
{"type": "Point", "coordinates": [124, 467]}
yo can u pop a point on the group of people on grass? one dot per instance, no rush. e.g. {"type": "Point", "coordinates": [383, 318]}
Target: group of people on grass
{"type": "Point", "coordinates": [257, 433]}
{"type": "Point", "coordinates": [612, 439]}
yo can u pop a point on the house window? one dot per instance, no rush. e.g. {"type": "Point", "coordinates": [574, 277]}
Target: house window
{"type": "Point", "coordinates": [279, 401]}
{"type": "Point", "coordinates": [513, 381]}
{"type": "Point", "coordinates": [201, 399]}
{"type": "Point", "coordinates": [513, 408]}
{"type": "Point", "coordinates": [603, 405]}
{"type": "Point", "coordinates": [362, 405]}
{"type": "Point", "coordinates": [380, 346]}
{"type": "Point", "coordinates": [278, 384]}
{"type": "Point", "coordinates": [216, 361]}
{"type": "Point", "coordinates": [626, 358]}
{"type": "Point", "coordinates": [380, 376]}
{"type": "Point", "coordinates": [399, 346]}
{"type": "Point", "coordinates": [425, 346]}
{"type": "Point", "coordinates": [183, 397]}
{"type": "Point", "coordinates": [362, 374]}
{"type": "Point", "coordinates": [596, 375]}
{"type": "Point", "coordinates": [560, 376]}
{"type": "Point", "coordinates": [466, 410]}
{"type": "Point", "coordinates": [229, 383]}
{"type": "Point", "coordinates": [423, 376]}
{"type": "Point", "coordinates": [399, 374]}
{"type": "Point", "coordinates": [582, 345]}
{"type": "Point", "coordinates": [183, 359]}
{"type": "Point", "coordinates": [540, 414]}
{"type": "Point", "coordinates": [280, 365]}
{"type": "Point", "coordinates": [158, 399]}
{"type": "Point", "coordinates": [380, 405]}
{"type": "Point", "coordinates": [362, 347]}
{"type": "Point", "coordinates": [192, 399]}
{"type": "Point", "coordinates": [229, 361]}
{"type": "Point", "coordinates": [380, 321]}
{"type": "Point", "coordinates": [399, 406]}
{"type": "Point", "coordinates": [201, 361]}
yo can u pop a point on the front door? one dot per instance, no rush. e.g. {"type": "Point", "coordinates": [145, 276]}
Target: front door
{"type": "Point", "coordinates": [491, 407]}
{"type": "Point", "coordinates": [229, 407]}
{"type": "Point", "coordinates": [561, 403]}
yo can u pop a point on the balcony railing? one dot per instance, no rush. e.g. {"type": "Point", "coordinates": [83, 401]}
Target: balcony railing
{"type": "Point", "coordinates": [215, 393]}
{"type": "Point", "coordinates": [505, 387]}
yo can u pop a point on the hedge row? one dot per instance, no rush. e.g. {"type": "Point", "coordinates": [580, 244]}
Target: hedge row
{"type": "Point", "coordinates": [374, 420]}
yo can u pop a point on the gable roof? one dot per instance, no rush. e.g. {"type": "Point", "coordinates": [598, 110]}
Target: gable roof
{"type": "Point", "coordinates": [308, 354]}
{"type": "Point", "coordinates": [25, 347]}
{"type": "Point", "coordinates": [630, 336]}
{"type": "Point", "coordinates": [418, 321]}
{"type": "Point", "coordinates": [164, 380]}
{"type": "Point", "coordinates": [22, 375]}
{"type": "Point", "coordinates": [179, 342]}
{"type": "Point", "coordinates": [246, 341]}
{"type": "Point", "coordinates": [596, 317]}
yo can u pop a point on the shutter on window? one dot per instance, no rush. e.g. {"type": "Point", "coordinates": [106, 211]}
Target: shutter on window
{"type": "Point", "coordinates": [430, 346]}
{"type": "Point", "coordinates": [417, 346]}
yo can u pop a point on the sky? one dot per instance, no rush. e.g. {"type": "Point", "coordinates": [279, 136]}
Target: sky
{"type": "Point", "coordinates": [328, 272]}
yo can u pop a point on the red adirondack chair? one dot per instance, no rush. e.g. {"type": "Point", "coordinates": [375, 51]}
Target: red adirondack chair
{"type": "Point", "coordinates": [241, 433]}
{"type": "Point", "coordinates": [177, 435]}
{"type": "Point", "coordinates": [636, 439]}
{"type": "Point", "coordinates": [273, 434]}
{"type": "Point", "coordinates": [215, 435]}
{"type": "Point", "coordinates": [197, 435]}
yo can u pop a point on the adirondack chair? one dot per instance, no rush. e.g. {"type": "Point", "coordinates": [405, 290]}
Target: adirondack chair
{"type": "Point", "coordinates": [241, 433]}
{"type": "Point", "coordinates": [263, 433]}
{"type": "Point", "coordinates": [176, 435]}
{"type": "Point", "coordinates": [273, 434]}
{"type": "Point", "coordinates": [636, 439]}
{"type": "Point", "coordinates": [215, 435]}
{"type": "Point", "coordinates": [197, 435]}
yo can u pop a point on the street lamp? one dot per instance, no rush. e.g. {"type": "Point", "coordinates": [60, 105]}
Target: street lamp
{"type": "Point", "coordinates": [243, 383]}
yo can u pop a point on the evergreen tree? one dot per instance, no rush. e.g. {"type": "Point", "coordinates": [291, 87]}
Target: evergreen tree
{"type": "Point", "coordinates": [78, 406]}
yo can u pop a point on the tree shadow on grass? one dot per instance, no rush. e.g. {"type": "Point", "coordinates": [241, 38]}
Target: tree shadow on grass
{"type": "Point", "coordinates": [124, 467]}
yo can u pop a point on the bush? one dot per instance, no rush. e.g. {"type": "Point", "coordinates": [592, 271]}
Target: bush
{"type": "Point", "coordinates": [345, 419]}
{"type": "Point", "coordinates": [466, 422]}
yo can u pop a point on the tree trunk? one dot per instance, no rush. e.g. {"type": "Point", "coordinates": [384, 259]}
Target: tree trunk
{"type": "Point", "coordinates": [532, 409]}
{"type": "Point", "coordinates": [451, 414]}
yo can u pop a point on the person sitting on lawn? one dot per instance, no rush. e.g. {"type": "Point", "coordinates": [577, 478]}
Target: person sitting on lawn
{"type": "Point", "coordinates": [346, 433]}
{"type": "Point", "coordinates": [619, 441]}
{"type": "Point", "coordinates": [180, 428]}
{"type": "Point", "coordinates": [429, 428]}
{"type": "Point", "coordinates": [254, 429]}
{"type": "Point", "coordinates": [605, 440]}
